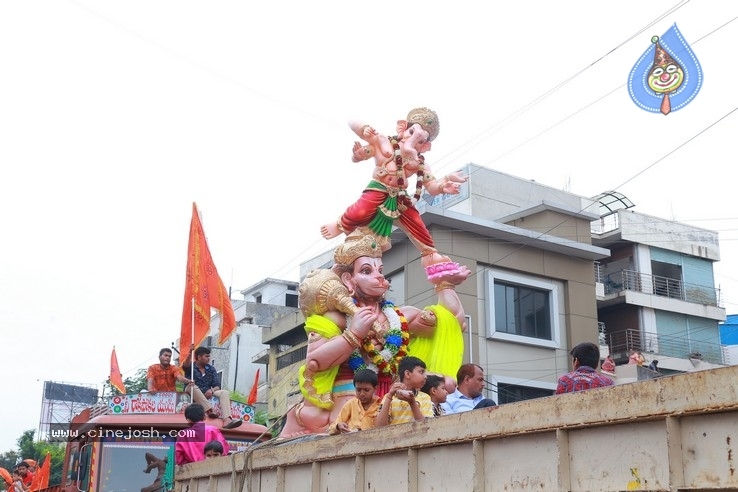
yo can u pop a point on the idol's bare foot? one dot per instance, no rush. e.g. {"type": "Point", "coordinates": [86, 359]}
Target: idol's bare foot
{"type": "Point", "coordinates": [329, 231]}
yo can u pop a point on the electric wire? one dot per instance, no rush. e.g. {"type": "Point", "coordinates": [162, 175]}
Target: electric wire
{"type": "Point", "coordinates": [498, 125]}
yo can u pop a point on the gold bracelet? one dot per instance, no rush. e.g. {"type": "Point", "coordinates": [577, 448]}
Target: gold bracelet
{"type": "Point", "coordinates": [352, 339]}
{"type": "Point", "coordinates": [355, 338]}
{"type": "Point", "coordinates": [443, 285]}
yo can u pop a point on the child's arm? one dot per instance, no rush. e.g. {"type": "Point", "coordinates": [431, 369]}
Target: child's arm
{"type": "Point", "coordinates": [415, 407]}
{"type": "Point", "coordinates": [384, 412]}
{"type": "Point", "coordinates": [383, 417]}
{"type": "Point", "coordinates": [340, 424]}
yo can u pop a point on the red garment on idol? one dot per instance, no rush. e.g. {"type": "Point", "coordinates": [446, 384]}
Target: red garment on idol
{"type": "Point", "coordinates": [363, 211]}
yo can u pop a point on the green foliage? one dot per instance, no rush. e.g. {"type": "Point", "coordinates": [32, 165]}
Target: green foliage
{"type": "Point", "coordinates": [133, 384]}
{"type": "Point", "coordinates": [239, 397]}
{"type": "Point", "coordinates": [261, 417]}
{"type": "Point", "coordinates": [36, 450]}
{"type": "Point", "coordinates": [136, 383]}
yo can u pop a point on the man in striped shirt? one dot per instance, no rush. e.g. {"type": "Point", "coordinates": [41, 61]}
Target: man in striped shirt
{"type": "Point", "coordinates": [405, 402]}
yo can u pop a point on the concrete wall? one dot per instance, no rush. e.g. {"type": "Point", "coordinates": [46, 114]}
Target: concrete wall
{"type": "Point", "coordinates": [669, 235]}
{"type": "Point", "coordinates": [670, 433]}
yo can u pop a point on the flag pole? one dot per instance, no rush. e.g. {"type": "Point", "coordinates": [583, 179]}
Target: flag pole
{"type": "Point", "coordinates": [192, 334]}
{"type": "Point", "coordinates": [192, 352]}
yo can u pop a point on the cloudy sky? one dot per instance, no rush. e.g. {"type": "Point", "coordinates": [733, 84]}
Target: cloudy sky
{"type": "Point", "coordinates": [116, 116]}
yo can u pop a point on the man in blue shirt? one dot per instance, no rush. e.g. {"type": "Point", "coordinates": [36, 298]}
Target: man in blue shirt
{"type": "Point", "coordinates": [206, 385]}
{"type": "Point", "coordinates": [470, 384]}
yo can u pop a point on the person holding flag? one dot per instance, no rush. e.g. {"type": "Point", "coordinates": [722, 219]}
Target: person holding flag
{"type": "Point", "coordinates": [25, 475]}
{"type": "Point", "coordinates": [207, 385]}
{"type": "Point", "coordinates": [41, 474]}
{"type": "Point", "coordinates": [204, 291]}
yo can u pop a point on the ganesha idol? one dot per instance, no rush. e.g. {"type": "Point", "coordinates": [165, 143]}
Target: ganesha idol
{"type": "Point", "coordinates": [350, 326]}
{"type": "Point", "coordinates": [385, 201]}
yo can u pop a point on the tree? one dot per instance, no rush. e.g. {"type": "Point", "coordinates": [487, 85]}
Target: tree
{"type": "Point", "coordinates": [133, 384]}
{"type": "Point", "coordinates": [28, 448]}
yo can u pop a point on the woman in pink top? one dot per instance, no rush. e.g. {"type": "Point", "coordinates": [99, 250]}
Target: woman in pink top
{"type": "Point", "coordinates": [608, 365]}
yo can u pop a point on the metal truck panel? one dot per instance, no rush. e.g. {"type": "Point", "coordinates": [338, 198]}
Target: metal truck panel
{"type": "Point", "coordinates": [671, 433]}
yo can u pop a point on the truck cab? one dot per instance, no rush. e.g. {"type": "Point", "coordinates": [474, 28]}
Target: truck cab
{"type": "Point", "coordinates": [127, 443]}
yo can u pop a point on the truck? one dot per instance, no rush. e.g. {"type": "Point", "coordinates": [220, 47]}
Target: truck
{"type": "Point", "coordinates": [126, 442]}
{"type": "Point", "coordinates": [673, 433]}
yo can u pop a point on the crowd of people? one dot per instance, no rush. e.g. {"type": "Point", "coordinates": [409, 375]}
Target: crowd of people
{"type": "Point", "coordinates": [22, 476]}
{"type": "Point", "coordinates": [417, 395]}
{"type": "Point", "coordinates": [201, 380]}
{"type": "Point", "coordinates": [202, 442]}
{"type": "Point", "coordinates": [204, 385]}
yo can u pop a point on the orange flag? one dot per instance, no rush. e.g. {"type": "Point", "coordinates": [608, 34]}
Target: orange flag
{"type": "Point", "coordinates": [7, 477]}
{"type": "Point", "coordinates": [206, 288]}
{"type": "Point", "coordinates": [41, 478]}
{"type": "Point", "coordinates": [254, 388]}
{"type": "Point", "coordinates": [116, 378]}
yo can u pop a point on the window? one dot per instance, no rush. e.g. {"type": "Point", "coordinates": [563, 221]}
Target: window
{"type": "Point", "coordinates": [511, 389]}
{"type": "Point", "coordinates": [522, 311]}
{"type": "Point", "coordinates": [667, 279]}
{"type": "Point", "coordinates": [509, 393]}
{"type": "Point", "coordinates": [122, 464]}
{"type": "Point", "coordinates": [522, 308]}
{"type": "Point", "coordinates": [291, 300]}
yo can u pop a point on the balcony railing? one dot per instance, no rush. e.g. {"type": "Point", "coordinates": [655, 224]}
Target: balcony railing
{"type": "Point", "coordinates": [661, 286]}
{"type": "Point", "coordinates": [261, 358]}
{"type": "Point", "coordinates": [599, 272]}
{"type": "Point", "coordinates": [665, 345]}
{"type": "Point", "coordinates": [605, 224]}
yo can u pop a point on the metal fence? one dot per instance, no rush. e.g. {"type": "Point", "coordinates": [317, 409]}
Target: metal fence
{"type": "Point", "coordinates": [665, 345]}
{"type": "Point", "coordinates": [661, 286]}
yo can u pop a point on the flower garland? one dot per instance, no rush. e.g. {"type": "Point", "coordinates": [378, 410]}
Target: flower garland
{"type": "Point", "coordinates": [395, 344]}
{"type": "Point", "coordinates": [400, 164]}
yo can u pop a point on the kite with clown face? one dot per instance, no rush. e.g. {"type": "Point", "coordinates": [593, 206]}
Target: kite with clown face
{"type": "Point", "coordinates": [667, 76]}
